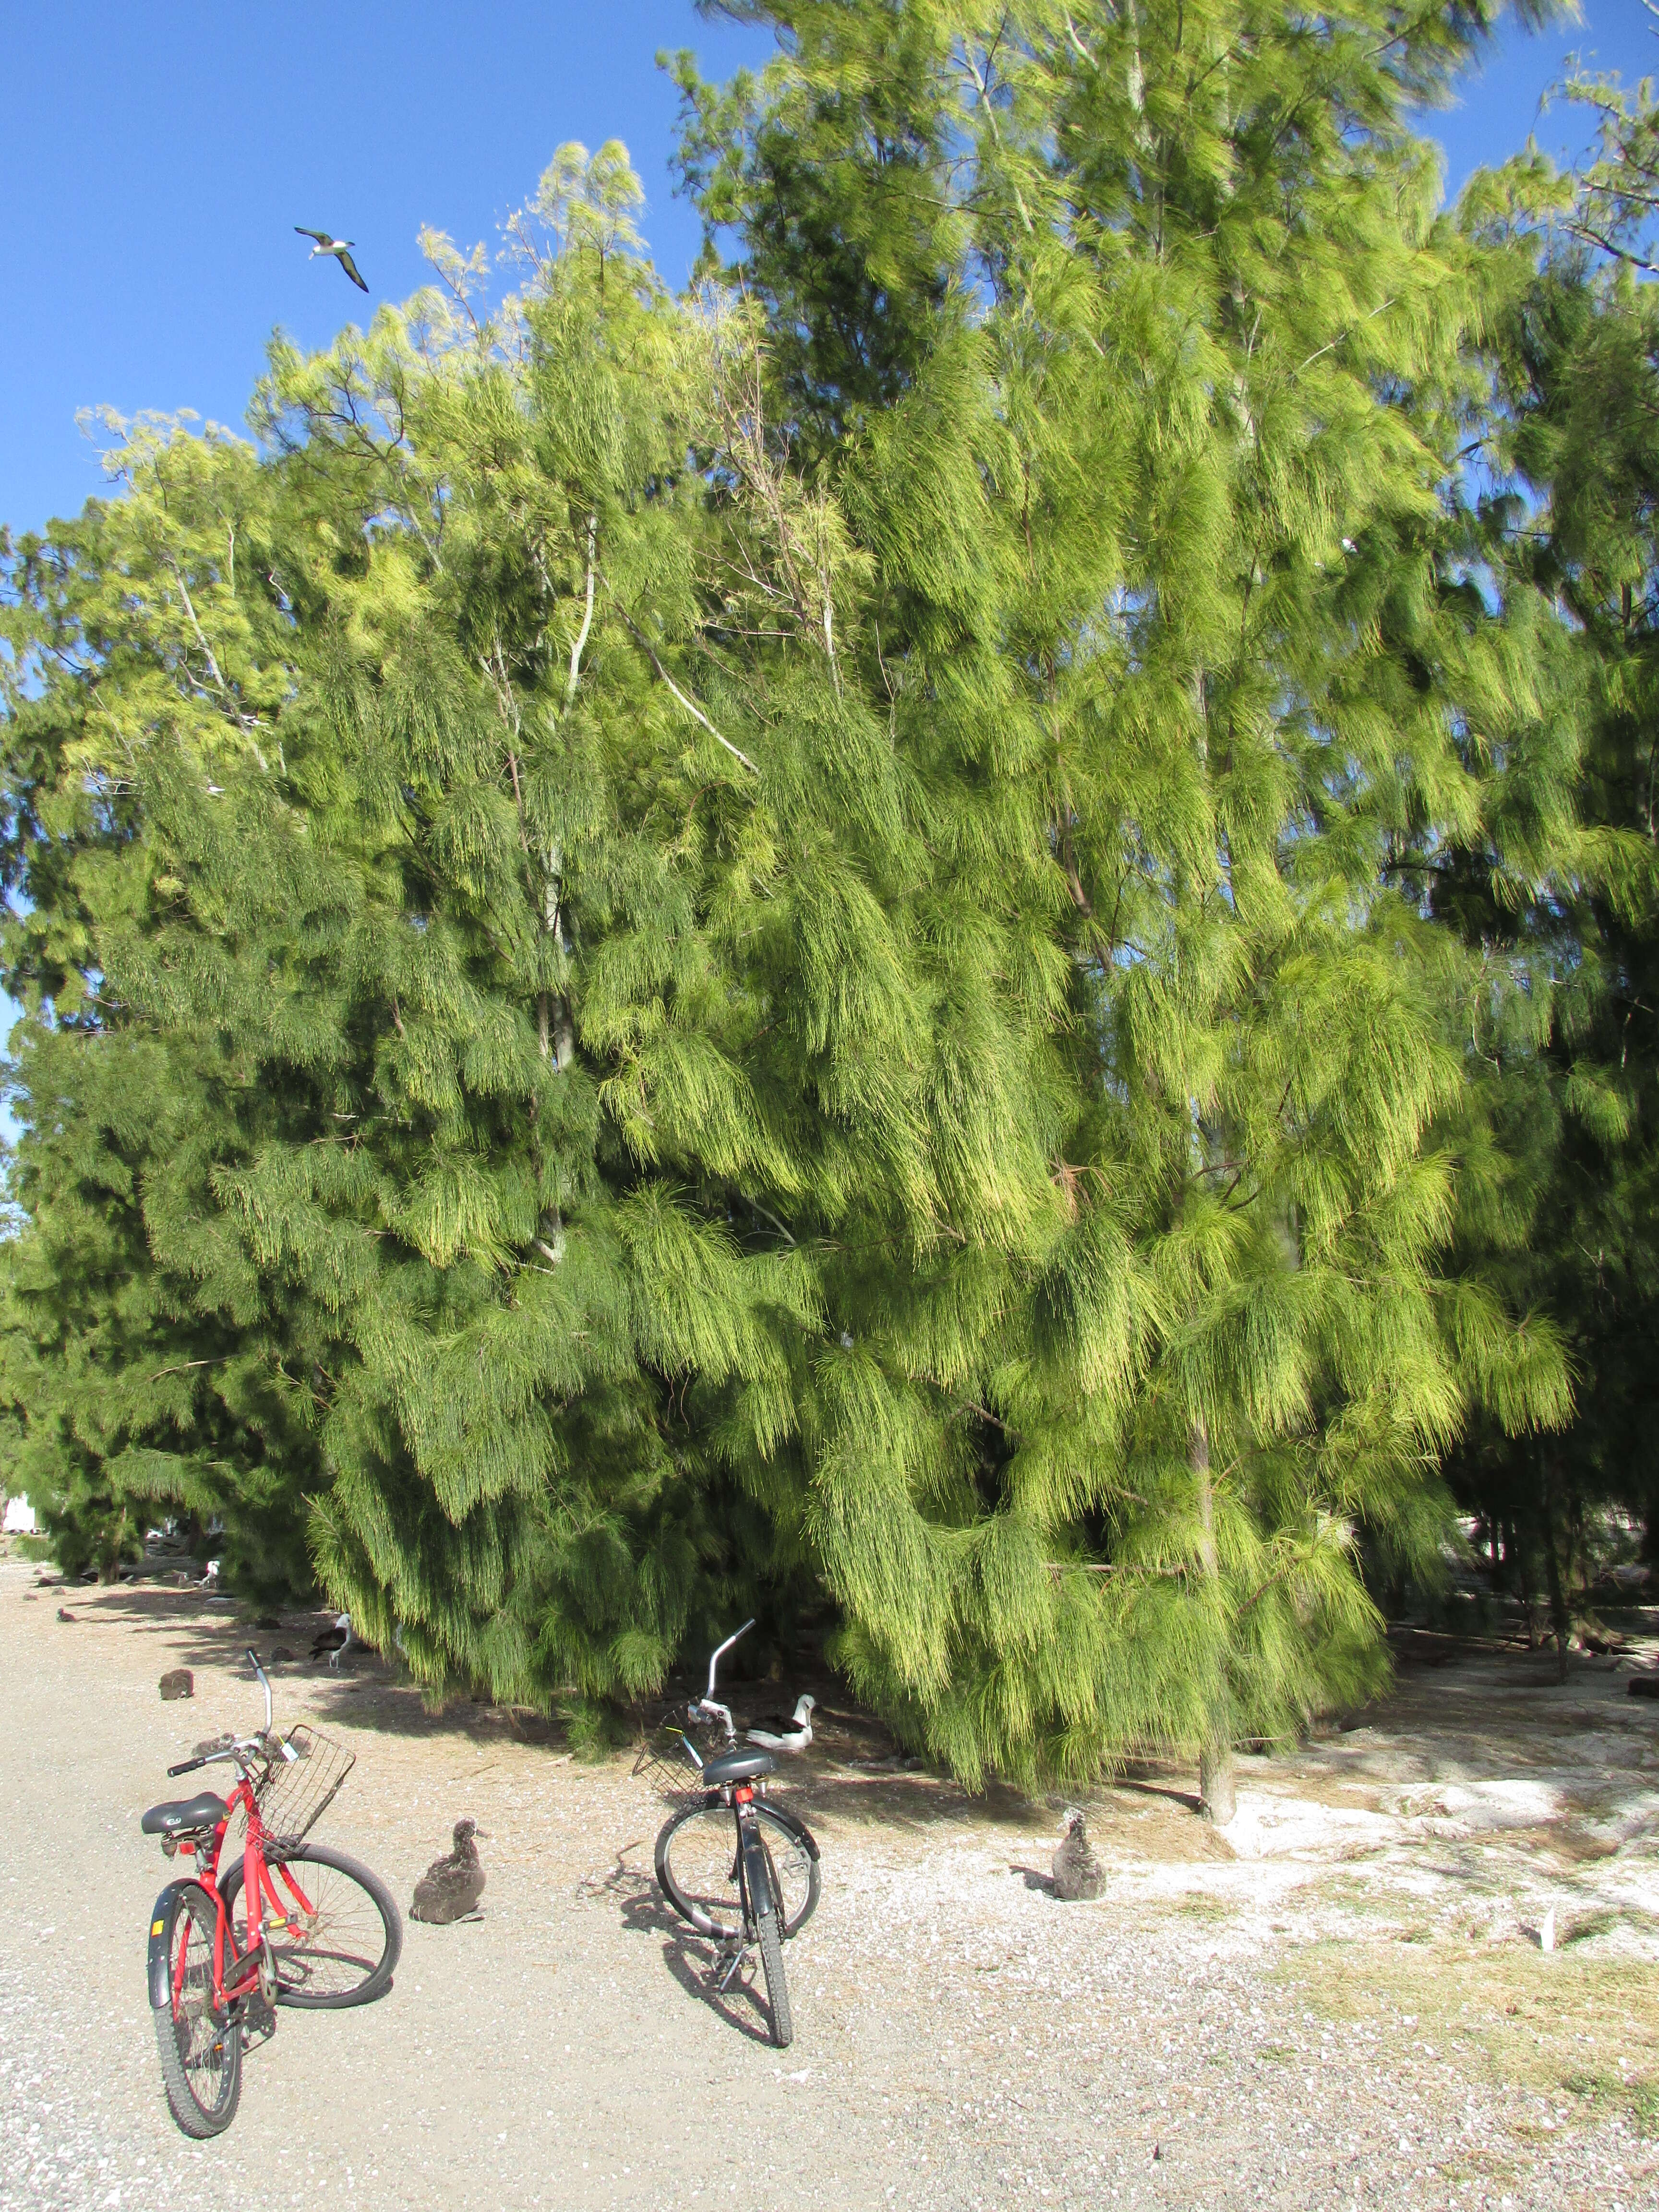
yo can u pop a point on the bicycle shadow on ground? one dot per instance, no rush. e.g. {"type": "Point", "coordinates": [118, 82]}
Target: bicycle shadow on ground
{"type": "Point", "coordinates": [691, 1958]}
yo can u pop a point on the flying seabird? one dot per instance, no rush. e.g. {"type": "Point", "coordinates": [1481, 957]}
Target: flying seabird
{"type": "Point", "coordinates": [339, 247]}
{"type": "Point", "coordinates": [780, 1735]}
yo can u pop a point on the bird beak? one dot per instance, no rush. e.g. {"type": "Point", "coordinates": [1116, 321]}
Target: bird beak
{"type": "Point", "coordinates": [484, 1833]}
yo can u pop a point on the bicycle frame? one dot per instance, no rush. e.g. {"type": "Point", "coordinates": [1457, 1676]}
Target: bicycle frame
{"type": "Point", "coordinates": [235, 1976]}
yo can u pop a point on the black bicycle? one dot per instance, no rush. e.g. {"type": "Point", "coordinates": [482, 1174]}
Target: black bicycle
{"type": "Point", "coordinates": [744, 1872]}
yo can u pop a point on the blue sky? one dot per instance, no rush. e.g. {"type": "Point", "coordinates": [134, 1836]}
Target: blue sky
{"type": "Point", "coordinates": [154, 160]}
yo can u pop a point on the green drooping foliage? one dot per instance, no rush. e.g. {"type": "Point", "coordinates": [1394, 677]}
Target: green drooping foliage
{"type": "Point", "coordinates": [1229, 656]}
{"type": "Point", "coordinates": [1573, 469]}
{"type": "Point", "coordinates": [815, 948]}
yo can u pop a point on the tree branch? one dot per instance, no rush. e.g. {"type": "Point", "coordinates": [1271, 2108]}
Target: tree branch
{"type": "Point", "coordinates": [690, 705]}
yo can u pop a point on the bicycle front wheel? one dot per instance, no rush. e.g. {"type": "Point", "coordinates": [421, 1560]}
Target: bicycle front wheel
{"type": "Point", "coordinates": [200, 2042]}
{"type": "Point", "coordinates": [777, 1990]}
{"type": "Point", "coordinates": [697, 1868]}
{"type": "Point", "coordinates": [336, 1933]}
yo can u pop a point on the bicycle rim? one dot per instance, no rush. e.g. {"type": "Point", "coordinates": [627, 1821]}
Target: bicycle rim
{"type": "Point", "coordinates": [202, 2038]}
{"type": "Point", "coordinates": [697, 1867]}
{"type": "Point", "coordinates": [332, 1943]}
{"type": "Point", "coordinates": [794, 1871]}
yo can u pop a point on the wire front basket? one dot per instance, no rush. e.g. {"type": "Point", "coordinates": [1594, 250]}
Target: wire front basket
{"type": "Point", "coordinates": [296, 1793]}
{"type": "Point", "coordinates": [665, 1766]}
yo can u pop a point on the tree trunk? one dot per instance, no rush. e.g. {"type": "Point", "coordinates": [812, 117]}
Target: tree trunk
{"type": "Point", "coordinates": [1215, 1758]}
{"type": "Point", "coordinates": [1559, 1614]}
{"type": "Point", "coordinates": [1215, 1784]}
{"type": "Point", "coordinates": [1519, 1550]}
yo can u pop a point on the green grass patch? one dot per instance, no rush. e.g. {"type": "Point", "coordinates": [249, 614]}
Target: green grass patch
{"type": "Point", "coordinates": [1558, 2023]}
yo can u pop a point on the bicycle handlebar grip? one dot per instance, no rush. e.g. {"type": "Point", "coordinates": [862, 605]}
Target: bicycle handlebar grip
{"type": "Point", "coordinates": [189, 1766]}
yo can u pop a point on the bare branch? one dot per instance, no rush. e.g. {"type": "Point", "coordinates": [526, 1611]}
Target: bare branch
{"type": "Point", "coordinates": [690, 705]}
{"type": "Point", "coordinates": [576, 650]}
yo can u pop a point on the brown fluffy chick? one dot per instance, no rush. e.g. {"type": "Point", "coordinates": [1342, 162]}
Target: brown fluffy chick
{"type": "Point", "coordinates": [450, 1888]}
{"type": "Point", "coordinates": [1078, 1873]}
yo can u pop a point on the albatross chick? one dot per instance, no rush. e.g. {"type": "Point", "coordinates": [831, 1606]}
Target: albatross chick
{"type": "Point", "coordinates": [1078, 1873]}
{"type": "Point", "coordinates": [450, 1888]}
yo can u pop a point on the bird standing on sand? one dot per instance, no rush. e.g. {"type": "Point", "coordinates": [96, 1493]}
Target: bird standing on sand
{"type": "Point", "coordinates": [336, 1641]}
{"type": "Point", "coordinates": [780, 1735]}
{"type": "Point", "coordinates": [339, 247]}
{"type": "Point", "coordinates": [450, 1888]}
{"type": "Point", "coordinates": [1078, 1873]}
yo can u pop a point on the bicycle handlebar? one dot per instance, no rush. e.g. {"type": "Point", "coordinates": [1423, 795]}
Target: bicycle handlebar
{"type": "Point", "coordinates": [238, 1751]}
{"type": "Point", "coordinates": [253, 1661]}
{"type": "Point", "coordinates": [262, 1744]}
{"type": "Point", "coordinates": [715, 1657]}
{"type": "Point", "coordinates": [709, 1707]}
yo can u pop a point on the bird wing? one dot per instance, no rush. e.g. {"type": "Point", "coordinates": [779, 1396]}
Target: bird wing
{"type": "Point", "coordinates": [350, 268]}
{"type": "Point", "coordinates": [321, 236]}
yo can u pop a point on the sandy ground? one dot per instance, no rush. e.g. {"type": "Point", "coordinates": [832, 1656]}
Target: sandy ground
{"type": "Point", "coordinates": [1343, 2002]}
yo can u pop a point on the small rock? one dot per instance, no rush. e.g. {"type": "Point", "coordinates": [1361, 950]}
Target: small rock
{"type": "Point", "coordinates": [281, 1656]}
{"type": "Point", "coordinates": [178, 1682]}
{"type": "Point", "coordinates": [267, 1620]}
{"type": "Point", "coordinates": [1643, 1685]}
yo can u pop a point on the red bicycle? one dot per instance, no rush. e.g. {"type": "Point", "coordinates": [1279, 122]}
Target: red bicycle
{"type": "Point", "coordinates": [291, 1923]}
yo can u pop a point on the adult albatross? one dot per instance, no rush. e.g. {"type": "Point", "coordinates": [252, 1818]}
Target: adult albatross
{"type": "Point", "coordinates": [339, 247]}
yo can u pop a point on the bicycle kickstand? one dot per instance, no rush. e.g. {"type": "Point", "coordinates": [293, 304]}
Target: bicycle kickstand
{"type": "Point", "coordinates": [732, 1960]}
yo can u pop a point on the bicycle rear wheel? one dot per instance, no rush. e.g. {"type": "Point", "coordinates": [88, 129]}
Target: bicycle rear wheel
{"type": "Point", "coordinates": [697, 1868]}
{"type": "Point", "coordinates": [200, 2043]}
{"type": "Point", "coordinates": [339, 1935]}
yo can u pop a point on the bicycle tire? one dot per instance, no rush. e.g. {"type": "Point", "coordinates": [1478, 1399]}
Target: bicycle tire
{"type": "Point", "coordinates": [361, 1936]}
{"type": "Point", "coordinates": [777, 1988]}
{"type": "Point", "coordinates": [198, 2043]}
{"type": "Point", "coordinates": [705, 1894]}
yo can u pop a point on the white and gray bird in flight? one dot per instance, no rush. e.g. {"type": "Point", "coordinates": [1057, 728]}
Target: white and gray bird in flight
{"type": "Point", "coordinates": [339, 247]}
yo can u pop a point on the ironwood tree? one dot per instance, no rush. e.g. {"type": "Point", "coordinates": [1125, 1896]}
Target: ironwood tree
{"type": "Point", "coordinates": [770, 949]}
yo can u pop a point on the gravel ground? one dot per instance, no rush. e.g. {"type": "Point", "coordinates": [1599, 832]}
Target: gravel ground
{"type": "Point", "coordinates": [1342, 2002]}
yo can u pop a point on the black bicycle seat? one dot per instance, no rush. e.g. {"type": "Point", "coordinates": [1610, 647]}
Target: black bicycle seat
{"type": "Point", "coordinates": [203, 1811]}
{"type": "Point", "coordinates": [737, 1766]}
